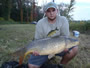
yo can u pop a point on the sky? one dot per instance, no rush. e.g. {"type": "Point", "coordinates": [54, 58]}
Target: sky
{"type": "Point", "coordinates": [81, 8]}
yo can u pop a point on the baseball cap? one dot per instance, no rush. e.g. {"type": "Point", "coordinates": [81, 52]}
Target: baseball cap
{"type": "Point", "coordinates": [50, 5]}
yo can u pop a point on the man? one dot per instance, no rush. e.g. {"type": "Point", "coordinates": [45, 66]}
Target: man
{"type": "Point", "coordinates": [45, 26]}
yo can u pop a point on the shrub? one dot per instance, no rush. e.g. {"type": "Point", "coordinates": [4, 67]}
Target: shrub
{"type": "Point", "coordinates": [80, 26]}
{"type": "Point", "coordinates": [11, 20]}
{"type": "Point", "coordinates": [2, 19]}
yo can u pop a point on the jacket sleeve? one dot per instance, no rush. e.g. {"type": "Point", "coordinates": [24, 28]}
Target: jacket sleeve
{"type": "Point", "coordinates": [38, 31]}
{"type": "Point", "coordinates": [65, 27]}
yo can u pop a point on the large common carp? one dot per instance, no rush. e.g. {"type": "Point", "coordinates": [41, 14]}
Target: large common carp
{"type": "Point", "coordinates": [47, 46]}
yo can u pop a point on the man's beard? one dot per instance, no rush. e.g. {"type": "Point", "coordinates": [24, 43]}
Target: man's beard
{"type": "Point", "coordinates": [52, 19]}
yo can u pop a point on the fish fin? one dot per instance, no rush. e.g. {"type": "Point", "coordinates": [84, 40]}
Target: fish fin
{"type": "Point", "coordinates": [56, 28]}
{"type": "Point", "coordinates": [19, 52]}
{"type": "Point", "coordinates": [28, 52]}
{"type": "Point", "coordinates": [50, 56]}
{"type": "Point", "coordinates": [21, 58]}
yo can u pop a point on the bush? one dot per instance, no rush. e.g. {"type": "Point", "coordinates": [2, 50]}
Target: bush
{"type": "Point", "coordinates": [2, 19]}
{"type": "Point", "coordinates": [11, 20]}
{"type": "Point", "coordinates": [87, 26]}
{"type": "Point", "coordinates": [8, 22]}
{"type": "Point", "coordinates": [80, 26]}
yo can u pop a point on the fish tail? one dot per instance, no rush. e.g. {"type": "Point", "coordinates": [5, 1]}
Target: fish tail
{"type": "Point", "coordinates": [21, 60]}
{"type": "Point", "coordinates": [23, 57]}
{"type": "Point", "coordinates": [27, 53]}
{"type": "Point", "coordinates": [19, 52]}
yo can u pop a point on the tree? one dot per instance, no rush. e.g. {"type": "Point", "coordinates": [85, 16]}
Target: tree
{"type": "Point", "coordinates": [6, 8]}
{"type": "Point", "coordinates": [21, 9]}
{"type": "Point", "coordinates": [66, 9]}
{"type": "Point", "coordinates": [27, 6]}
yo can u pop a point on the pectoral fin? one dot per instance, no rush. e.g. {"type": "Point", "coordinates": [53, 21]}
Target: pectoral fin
{"type": "Point", "coordinates": [50, 56]}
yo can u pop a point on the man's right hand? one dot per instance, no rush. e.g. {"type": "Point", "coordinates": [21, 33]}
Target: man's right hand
{"type": "Point", "coordinates": [66, 50]}
{"type": "Point", "coordinates": [35, 53]}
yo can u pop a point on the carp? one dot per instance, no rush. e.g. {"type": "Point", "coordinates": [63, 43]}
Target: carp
{"type": "Point", "coordinates": [47, 46]}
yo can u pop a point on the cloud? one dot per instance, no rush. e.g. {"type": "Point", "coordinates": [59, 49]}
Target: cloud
{"type": "Point", "coordinates": [82, 10]}
{"type": "Point", "coordinates": [81, 13]}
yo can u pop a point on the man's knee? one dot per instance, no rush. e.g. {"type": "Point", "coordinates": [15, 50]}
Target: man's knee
{"type": "Point", "coordinates": [33, 66]}
{"type": "Point", "coordinates": [72, 52]}
{"type": "Point", "coordinates": [75, 50]}
{"type": "Point", "coordinates": [68, 56]}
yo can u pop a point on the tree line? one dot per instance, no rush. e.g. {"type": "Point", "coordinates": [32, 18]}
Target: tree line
{"type": "Point", "coordinates": [28, 10]}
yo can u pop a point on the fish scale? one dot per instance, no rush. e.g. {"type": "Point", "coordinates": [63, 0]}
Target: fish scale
{"type": "Point", "coordinates": [48, 46]}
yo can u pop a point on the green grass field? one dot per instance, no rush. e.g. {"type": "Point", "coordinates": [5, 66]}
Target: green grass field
{"type": "Point", "coordinates": [15, 36]}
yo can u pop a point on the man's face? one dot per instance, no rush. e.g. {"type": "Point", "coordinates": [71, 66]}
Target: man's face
{"type": "Point", "coordinates": [51, 13]}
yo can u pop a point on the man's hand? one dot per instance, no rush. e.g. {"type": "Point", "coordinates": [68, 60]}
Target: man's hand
{"type": "Point", "coordinates": [35, 53]}
{"type": "Point", "coordinates": [66, 50]}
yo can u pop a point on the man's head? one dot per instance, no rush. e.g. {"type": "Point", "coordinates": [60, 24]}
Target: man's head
{"type": "Point", "coordinates": [51, 10]}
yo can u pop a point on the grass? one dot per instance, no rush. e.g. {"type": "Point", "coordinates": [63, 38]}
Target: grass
{"type": "Point", "coordinates": [14, 36]}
